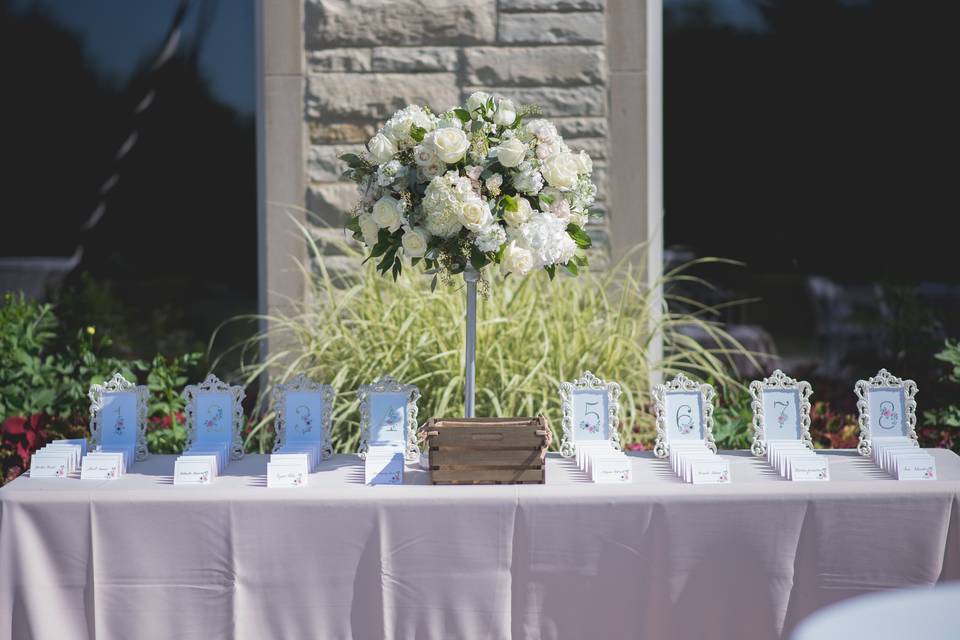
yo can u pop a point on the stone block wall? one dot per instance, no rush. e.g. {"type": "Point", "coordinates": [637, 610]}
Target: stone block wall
{"type": "Point", "coordinates": [364, 59]}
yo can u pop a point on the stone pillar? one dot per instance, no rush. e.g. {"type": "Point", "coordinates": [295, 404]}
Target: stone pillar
{"type": "Point", "coordinates": [282, 152]}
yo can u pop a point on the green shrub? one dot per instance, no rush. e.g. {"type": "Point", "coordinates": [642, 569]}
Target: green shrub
{"type": "Point", "coordinates": [531, 334]}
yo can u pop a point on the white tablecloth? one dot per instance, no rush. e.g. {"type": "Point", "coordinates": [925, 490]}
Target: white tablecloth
{"type": "Point", "coordinates": [140, 558]}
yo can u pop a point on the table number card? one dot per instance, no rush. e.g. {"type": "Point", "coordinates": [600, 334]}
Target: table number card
{"type": "Point", "coordinates": [591, 413]}
{"type": "Point", "coordinates": [781, 428]}
{"type": "Point", "coordinates": [215, 415]}
{"type": "Point", "coordinates": [888, 421]}
{"type": "Point", "coordinates": [388, 416]}
{"type": "Point", "coordinates": [304, 410]}
{"type": "Point", "coordinates": [684, 413]}
{"type": "Point", "coordinates": [118, 417]}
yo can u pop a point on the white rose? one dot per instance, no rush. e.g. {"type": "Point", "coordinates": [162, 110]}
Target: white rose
{"type": "Point", "coordinates": [542, 129]}
{"type": "Point", "coordinates": [547, 149]}
{"type": "Point", "coordinates": [386, 213]}
{"type": "Point", "coordinates": [584, 163]}
{"type": "Point", "coordinates": [561, 170]}
{"type": "Point", "coordinates": [381, 148]}
{"type": "Point", "coordinates": [423, 156]}
{"type": "Point", "coordinates": [521, 215]}
{"type": "Point", "coordinates": [449, 144]}
{"type": "Point", "coordinates": [368, 228]}
{"type": "Point", "coordinates": [506, 113]}
{"type": "Point", "coordinates": [414, 242]}
{"type": "Point", "coordinates": [511, 152]}
{"type": "Point", "coordinates": [475, 214]}
{"type": "Point", "coordinates": [476, 100]}
{"type": "Point", "coordinates": [434, 169]}
{"type": "Point", "coordinates": [516, 260]}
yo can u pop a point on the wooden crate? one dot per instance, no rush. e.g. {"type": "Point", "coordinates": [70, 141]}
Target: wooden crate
{"type": "Point", "coordinates": [487, 450]}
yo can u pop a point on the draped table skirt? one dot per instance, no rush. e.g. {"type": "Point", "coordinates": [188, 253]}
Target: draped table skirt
{"type": "Point", "coordinates": [140, 558]}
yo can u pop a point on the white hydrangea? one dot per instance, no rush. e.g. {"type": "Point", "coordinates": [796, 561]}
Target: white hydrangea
{"type": "Point", "coordinates": [542, 130]}
{"type": "Point", "coordinates": [490, 238]}
{"type": "Point", "coordinates": [441, 207]}
{"type": "Point", "coordinates": [397, 128]}
{"type": "Point", "coordinates": [528, 179]}
{"type": "Point", "coordinates": [546, 237]}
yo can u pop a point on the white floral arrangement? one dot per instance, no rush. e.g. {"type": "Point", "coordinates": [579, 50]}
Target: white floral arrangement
{"type": "Point", "coordinates": [490, 183]}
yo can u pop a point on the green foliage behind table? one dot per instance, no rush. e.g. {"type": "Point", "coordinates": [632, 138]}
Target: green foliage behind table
{"type": "Point", "coordinates": [46, 371]}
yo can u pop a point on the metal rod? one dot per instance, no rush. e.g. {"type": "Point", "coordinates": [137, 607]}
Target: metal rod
{"type": "Point", "coordinates": [470, 276]}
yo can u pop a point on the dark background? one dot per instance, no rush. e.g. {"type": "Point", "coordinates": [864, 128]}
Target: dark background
{"type": "Point", "coordinates": [814, 141]}
{"type": "Point", "coordinates": [174, 252]}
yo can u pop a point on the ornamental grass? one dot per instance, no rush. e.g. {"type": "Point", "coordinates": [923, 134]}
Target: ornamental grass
{"type": "Point", "coordinates": [532, 333]}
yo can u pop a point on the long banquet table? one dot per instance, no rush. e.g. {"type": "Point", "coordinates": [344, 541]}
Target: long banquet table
{"type": "Point", "coordinates": [140, 558]}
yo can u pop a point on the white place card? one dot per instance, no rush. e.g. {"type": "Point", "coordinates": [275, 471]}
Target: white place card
{"type": "Point", "coordinates": [100, 467]}
{"type": "Point", "coordinates": [810, 468]}
{"type": "Point", "coordinates": [383, 465]}
{"type": "Point", "coordinates": [612, 470]}
{"type": "Point", "coordinates": [287, 474]}
{"type": "Point", "coordinates": [193, 471]}
{"type": "Point", "coordinates": [50, 465]}
{"type": "Point", "coordinates": [703, 471]}
{"type": "Point", "coordinates": [73, 453]}
{"type": "Point", "coordinates": [916, 467]}
{"type": "Point", "coordinates": [80, 442]}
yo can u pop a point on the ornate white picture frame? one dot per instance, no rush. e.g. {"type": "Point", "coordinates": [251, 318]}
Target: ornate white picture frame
{"type": "Point", "coordinates": [313, 411]}
{"type": "Point", "coordinates": [585, 396]}
{"type": "Point", "coordinates": [885, 400]}
{"type": "Point", "coordinates": [213, 385]}
{"type": "Point", "coordinates": [683, 386]}
{"type": "Point", "coordinates": [790, 401]}
{"type": "Point", "coordinates": [367, 395]}
{"type": "Point", "coordinates": [102, 395]}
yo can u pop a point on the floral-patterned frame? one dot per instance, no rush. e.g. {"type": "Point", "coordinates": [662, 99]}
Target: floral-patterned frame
{"type": "Point", "coordinates": [119, 384]}
{"type": "Point", "coordinates": [388, 384]}
{"type": "Point", "coordinates": [213, 384]}
{"type": "Point", "coordinates": [682, 383]}
{"type": "Point", "coordinates": [301, 383]}
{"type": "Point", "coordinates": [589, 382]}
{"type": "Point", "coordinates": [779, 381]}
{"type": "Point", "coordinates": [884, 380]}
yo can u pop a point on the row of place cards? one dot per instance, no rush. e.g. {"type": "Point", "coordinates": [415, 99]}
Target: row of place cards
{"type": "Point", "coordinates": [59, 459]}
{"type": "Point", "coordinates": [291, 464]}
{"type": "Point", "coordinates": [696, 463]}
{"type": "Point", "coordinates": [201, 463]}
{"type": "Point", "coordinates": [903, 459]}
{"type": "Point", "coordinates": [795, 461]}
{"type": "Point", "coordinates": [604, 463]}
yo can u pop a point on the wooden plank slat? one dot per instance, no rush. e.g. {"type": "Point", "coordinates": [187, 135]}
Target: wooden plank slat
{"type": "Point", "coordinates": [495, 438]}
{"type": "Point", "coordinates": [507, 458]}
{"type": "Point", "coordinates": [488, 475]}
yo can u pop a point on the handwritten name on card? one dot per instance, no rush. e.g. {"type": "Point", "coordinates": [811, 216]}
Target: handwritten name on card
{"type": "Point", "coordinates": [919, 468]}
{"type": "Point", "coordinates": [92, 469]}
{"type": "Point", "coordinates": [612, 470]}
{"type": "Point", "coordinates": [804, 470]}
{"type": "Point", "coordinates": [286, 475]}
{"type": "Point", "coordinates": [192, 472]}
{"type": "Point", "coordinates": [710, 472]}
{"type": "Point", "coordinates": [48, 467]}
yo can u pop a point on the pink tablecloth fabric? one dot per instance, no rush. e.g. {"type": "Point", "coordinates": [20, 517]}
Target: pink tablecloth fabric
{"type": "Point", "coordinates": [140, 558]}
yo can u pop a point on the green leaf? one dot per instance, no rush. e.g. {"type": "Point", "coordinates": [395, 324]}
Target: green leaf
{"type": "Point", "coordinates": [417, 133]}
{"type": "Point", "coordinates": [353, 224]}
{"type": "Point", "coordinates": [509, 203]}
{"type": "Point", "coordinates": [572, 268]}
{"type": "Point", "coordinates": [579, 236]}
{"type": "Point", "coordinates": [581, 260]}
{"type": "Point", "coordinates": [397, 268]}
{"type": "Point", "coordinates": [478, 259]}
{"type": "Point", "coordinates": [353, 160]}
{"type": "Point", "coordinates": [463, 114]}
{"type": "Point", "coordinates": [433, 284]}
{"type": "Point", "coordinates": [551, 270]}
{"type": "Point", "coordinates": [415, 261]}
{"type": "Point", "coordinates": [547, 199]}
